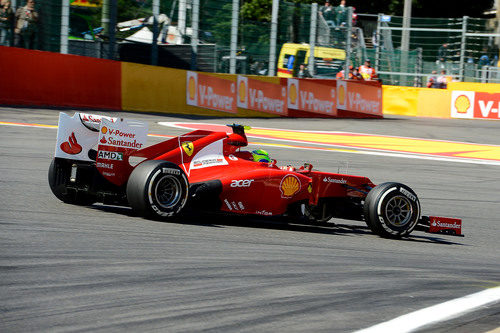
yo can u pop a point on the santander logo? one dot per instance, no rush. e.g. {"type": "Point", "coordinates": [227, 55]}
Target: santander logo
{"type": "Point", "coordinates": [454, 225]}
{"type": "Point", "coordinates": [71, 146]}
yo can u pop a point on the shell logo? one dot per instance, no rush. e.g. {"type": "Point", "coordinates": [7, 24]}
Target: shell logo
{"type": "Point", "coordinates": [341, 94]}
{"type": "Point", "coordinates": [289, 186]}
{"type": "Point", "coordinates": [242, 91]}
{"type": "Point", "coordinates": [462, 104]}
{"type": "Point", "coordinates": [104, 130]}
{"type": "Point", "coordinates": [192, 88]}
{"type": "Point", "coordinates": [293, 93]}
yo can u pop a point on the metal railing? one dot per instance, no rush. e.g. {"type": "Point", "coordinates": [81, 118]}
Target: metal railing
{"type": "Point", "coordinates": [214, 35]}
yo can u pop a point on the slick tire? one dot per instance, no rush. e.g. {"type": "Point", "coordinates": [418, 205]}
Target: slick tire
{"type": "Point", "coordinates": [59, 173]}
{"type": "Point", "coordinates": [157, 189]}
{"type": "Point", "coordinates": [392, 210]}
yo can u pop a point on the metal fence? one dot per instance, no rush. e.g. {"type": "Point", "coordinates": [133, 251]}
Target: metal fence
{"type": "Point", "coordinates": [220, 36]}
{"type": "Point", "coordinates": [466, 49]}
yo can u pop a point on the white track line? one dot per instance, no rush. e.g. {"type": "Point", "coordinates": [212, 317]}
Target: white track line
{"type": "Point", "coordinates": [357, 150]}
{"type": "Point", "coordinates": [354, 150]}
{"type": "Point", "coordinates": [437, 313]}
{"type": "Point", "coordinates": [321, 146]}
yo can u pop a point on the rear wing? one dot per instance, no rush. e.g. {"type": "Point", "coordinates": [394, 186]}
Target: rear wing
{"type": "Point", "coordinates": [109, 141]}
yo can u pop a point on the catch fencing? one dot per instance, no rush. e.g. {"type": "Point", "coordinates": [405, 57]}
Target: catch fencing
{"type": "Point", "coordinates": [230, 36]}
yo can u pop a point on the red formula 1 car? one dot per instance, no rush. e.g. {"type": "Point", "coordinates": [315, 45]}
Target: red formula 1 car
{"type": "Point", "coordinates": [103, 159]}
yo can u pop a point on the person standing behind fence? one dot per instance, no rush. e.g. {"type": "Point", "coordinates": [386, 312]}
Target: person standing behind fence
{"type": "Point", "coordinates": [303, 73]}
{"type": "Point", "coordinates": [26, 26]}
{"type": "Point", "coordinates": [443, 54]}
{"type": "Point", "coordinates": [367, 71]}
{"type": "Point", "coordinates": [6, 16]}
{"type": "Point", "coordinates": [442, 80]}
{"type": "Point", "coordinates": [432, 82]}
{"type": "Point", "coordinates": [328, 14]}
{"type": "Point", "coordinates": [341, 14]}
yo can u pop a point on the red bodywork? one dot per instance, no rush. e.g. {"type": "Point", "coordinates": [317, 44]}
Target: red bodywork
{"type": "Point", "coordinates": [248, 187]}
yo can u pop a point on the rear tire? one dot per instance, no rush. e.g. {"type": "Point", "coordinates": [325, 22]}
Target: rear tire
{"type": "Point", "coordinates": [157, 189]}
{"type": "Point", "coordinates": [392, 210]}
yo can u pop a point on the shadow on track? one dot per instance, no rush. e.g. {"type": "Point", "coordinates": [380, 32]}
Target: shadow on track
{"type": "Point", "coordinates": [272, 223]}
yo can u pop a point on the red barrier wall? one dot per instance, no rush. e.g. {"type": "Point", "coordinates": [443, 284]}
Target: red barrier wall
{"type": "Point", "coordinates": [50, 79]}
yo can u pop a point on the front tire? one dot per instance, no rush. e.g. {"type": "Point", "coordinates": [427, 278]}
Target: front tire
{"type": "Point", "coordinates": [157, 189]}
{"type": "Point", "coordinates": [392, 210]}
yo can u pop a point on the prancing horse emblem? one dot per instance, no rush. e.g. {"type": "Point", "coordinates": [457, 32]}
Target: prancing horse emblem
{"type": "Point", "coordinates": [188, 147]}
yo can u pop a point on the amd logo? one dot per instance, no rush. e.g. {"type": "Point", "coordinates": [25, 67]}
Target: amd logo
{"type": "Point", "coordinates": [110, 155]}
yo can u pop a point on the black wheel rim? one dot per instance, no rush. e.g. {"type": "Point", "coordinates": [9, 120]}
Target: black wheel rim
{"type": "Point", "coordinates": [168, 191]}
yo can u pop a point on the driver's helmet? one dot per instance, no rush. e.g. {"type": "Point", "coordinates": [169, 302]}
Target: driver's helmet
{"type": "Point", "coordinates": [260, 155]}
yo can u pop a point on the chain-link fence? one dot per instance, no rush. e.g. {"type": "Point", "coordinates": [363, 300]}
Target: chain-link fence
{"type": "Point", "coordinates": [466, 48]}
{"type": "Point", "coordinates": [35, 25]}
{"type": "Point", "coordinates": [461, 49]}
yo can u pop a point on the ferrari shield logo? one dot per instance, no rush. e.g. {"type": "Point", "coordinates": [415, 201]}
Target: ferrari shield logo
{"type": "Point", "coordinates": [188, 147]}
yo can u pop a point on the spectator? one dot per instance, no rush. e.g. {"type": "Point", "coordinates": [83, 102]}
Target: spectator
{"type": "Point", "coordinates": [443, 53]}
{"type": "Point", "coordinates": [341, 13]}
{"type": "Point", "coordinates": [470, 59]}
{"type": "Point", "coordinates": [432, 82]}
{"type": "Point", "coordinates": [340, 75]}
{"type": "Point", "coordinates": [328, 13]}
{"type": "Point", "coordinates": [494, 61]}
{"type": "Point", "coordinates": [354, 17]}
{"type": "Point", "coordinates": [261, 69]}
{"type": "Point", "coordinates": [367, 71]}
{"type": "Point", "coordinates": [26, 26]}
{"type": "Point", "coordinates": [356, 75]}
{"type": "Point", "coordinates": [6, 16]}
{"type": "Point", "coordinates": [374, 40]}
{"type": "Point", "coordinates": [484, 60]}
{"type": "Point", "coordinates": [442, 80]}
{"type": "Point", "coordinates": [303, 72]}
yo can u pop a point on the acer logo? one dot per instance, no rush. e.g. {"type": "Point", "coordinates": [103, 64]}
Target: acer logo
{"type": "Point", "coordinates": [242, 183]}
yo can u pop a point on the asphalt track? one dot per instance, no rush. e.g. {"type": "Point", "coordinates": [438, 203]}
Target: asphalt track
{"type": "Point", "coordinates": [70, 268]}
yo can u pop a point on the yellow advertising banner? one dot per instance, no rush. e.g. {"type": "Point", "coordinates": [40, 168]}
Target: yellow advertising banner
{"type": "Point", "coordinates": [86, 3]}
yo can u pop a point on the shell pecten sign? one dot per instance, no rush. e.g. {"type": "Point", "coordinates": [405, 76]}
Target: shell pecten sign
{"type": "Point", "coordinates": [462, 104]}
{"type": "Point", "coordinates": [293, 93]}
{"type": "Point", "coordinates": [341, 94]}
{"type": "Point", "coordinates": [242, 84]}
{"type": "Point", "coordinates": [289, 186]}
